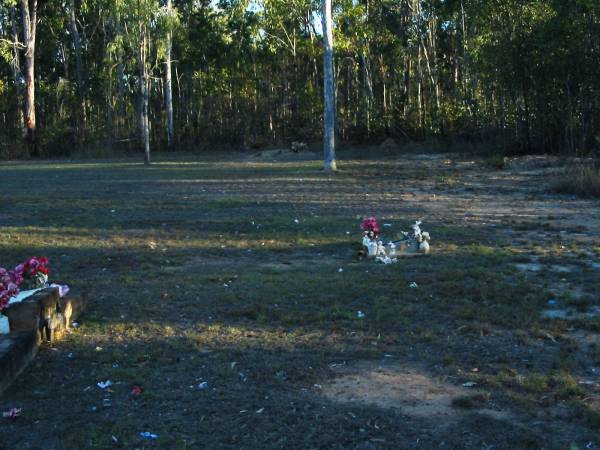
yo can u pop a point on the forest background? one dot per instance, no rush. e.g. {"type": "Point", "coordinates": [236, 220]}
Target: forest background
{"type": "Point", "coordinates": [516, 76]}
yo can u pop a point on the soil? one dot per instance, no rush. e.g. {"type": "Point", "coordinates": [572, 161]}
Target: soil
{"type": "Point", "coordinates": [412, 391]}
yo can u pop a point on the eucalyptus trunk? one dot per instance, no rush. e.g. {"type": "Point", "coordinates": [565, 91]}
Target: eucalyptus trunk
{"type": "Point", "coordinates": [329, 94]}
{"type": "Point", "coordinates": [29, 13]}
{"type": "Point", "coordinates": [17, 74]}
{"type": "Point", "coordinates": [122, 90]}
{"type": "Point", "coordinates": [168, 88]}
{"type": "Point", "coordinates": [80, 110]}
{"type": "Point", "coordinates": [143, 93]}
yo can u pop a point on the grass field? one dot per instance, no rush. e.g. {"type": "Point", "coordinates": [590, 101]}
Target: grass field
{"type": "Point", "coordinates": [223, 269]}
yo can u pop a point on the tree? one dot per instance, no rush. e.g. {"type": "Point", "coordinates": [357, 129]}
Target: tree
{"type": "Point", "coordinates": [170, 15]}
{"type": "Point", "coordinates": [16, 66]}
{"type": "Point", "coordinates": [80, 115]}
{"type": "Point", "coordinates": [328, 91]}
{"type": "Point", "coordinates": [144, 15]}
{"type": "Point", "coordinates": [519, 74]}
{"type": "Point", "coordinates": [29, 17]}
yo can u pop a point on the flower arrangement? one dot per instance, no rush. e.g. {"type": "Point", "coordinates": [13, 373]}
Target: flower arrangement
{"type": "Point", "coordinates": [370, 227]}
{"type": "Point", "coordinates": [36, 271]}
{"type": "Point", "coordinates": [418, 242]}
{"type": "Point", "coordinates": [9, 286]}
{"type": "Point", "coordinates": [33, 272]}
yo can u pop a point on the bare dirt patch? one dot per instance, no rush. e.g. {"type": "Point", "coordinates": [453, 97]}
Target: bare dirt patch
{"type": "Point", "coordinates": [411, 390]}
{"type": "Point", "coordinates": [283, 154]}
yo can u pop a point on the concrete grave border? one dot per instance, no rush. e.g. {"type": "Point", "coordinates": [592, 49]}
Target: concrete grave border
{"type": "Point", "coordinates": [41, 316]}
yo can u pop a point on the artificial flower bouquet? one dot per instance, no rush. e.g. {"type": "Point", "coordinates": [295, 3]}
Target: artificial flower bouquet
{"type": "Point", "coordinates": [9, 286]}
{"type": "Point", "coordinates": [31, 274]}
{"type": "Point", "coordinates": [370, 228]}
{"type": "Point", "coordinates": [415, 243]}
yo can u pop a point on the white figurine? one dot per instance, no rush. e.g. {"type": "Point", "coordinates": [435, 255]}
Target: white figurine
{"type": "Point", "coordinates": [372, 249]}
{"type": "Point", "coordinates": [424, 243]}
{"type": "Point", "coordinates": [391, 250]}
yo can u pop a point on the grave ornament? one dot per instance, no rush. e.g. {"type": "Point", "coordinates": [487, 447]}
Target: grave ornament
{"type": "Point", "coordinates": [415, 243]}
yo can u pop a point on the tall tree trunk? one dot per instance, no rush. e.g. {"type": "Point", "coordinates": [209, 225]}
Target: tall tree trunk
{"type": "Point", "coordinates": [143, 92]}
{"type": "Point", "coordinates": [80, 117]}
{"type": "Point", "coordinates": [168, 89]}
{"type": "Point", "coordinates": [17, 74]}
{"type": "Point", "coordinates": [329, 100]}
{"type": "Point", "coordinates": [110, 121]}
{"type": "Point", "coordinates": [110, 126]}
{"type": "Point", "coordinates": [405, 97]}
{"type": "Point", "coordinates": [29, 12]}
{"type": "Point", "coordinates": [311, 33]}
{"type": "Point", "coordinates": [465, 62]}
{"type": "Point", "coordinates": [386, 124]}
{"type": "Point", "coordinates": [367, 90]}
{"type": "Point", "coordinates": [121, 101]}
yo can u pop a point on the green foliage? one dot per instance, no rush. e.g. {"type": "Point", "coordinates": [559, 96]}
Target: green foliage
{"type": "Point", "coordinates": [495, 161]}
{"type": "Point", "coordinates": [519, 73]}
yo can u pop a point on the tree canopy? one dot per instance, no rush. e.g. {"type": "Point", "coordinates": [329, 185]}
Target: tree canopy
{"type": "Point", "coordinates": [521, 74]}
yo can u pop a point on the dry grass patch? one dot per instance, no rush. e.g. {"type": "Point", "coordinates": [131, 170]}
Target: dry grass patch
{"type": "Point", "coordinates": [582, 180]}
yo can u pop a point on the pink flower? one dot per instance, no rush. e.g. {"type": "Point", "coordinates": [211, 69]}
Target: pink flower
{"type": "Point", "coordinates": [8, 287]}
{"type": "Point", "coordinates": [10, 280]}
{"type": "Point", "coordinates": [16, 277]}
{"type": "Point", "coordinates": [370, 224]}
{"type": "Point", "coordinates": [137, 390]}
{"type": "Point", "coordinates": [32, 266]}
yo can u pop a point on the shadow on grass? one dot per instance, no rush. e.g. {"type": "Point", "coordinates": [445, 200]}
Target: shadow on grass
{"type": "Point", "coordinates": [249, 389]}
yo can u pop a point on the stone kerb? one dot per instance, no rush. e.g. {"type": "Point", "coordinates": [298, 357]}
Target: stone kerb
{"type": "Point", "coordinates": [41, 316]}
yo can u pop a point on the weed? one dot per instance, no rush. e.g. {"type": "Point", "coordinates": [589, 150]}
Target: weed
{"type": "Point", "coordinates": [472, 401]}
{"type": "Point", "coordinates": [582, 179]}
{"type": "Point", "coordinates": [496, 161]}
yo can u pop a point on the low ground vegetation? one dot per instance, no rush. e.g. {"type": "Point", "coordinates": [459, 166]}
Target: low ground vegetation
{"type": "Point", "coordinates": [582, 178]}
{"type": "Point", "coordinates": [203, 269]}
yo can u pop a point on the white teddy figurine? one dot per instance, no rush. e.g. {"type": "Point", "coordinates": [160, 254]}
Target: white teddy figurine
{"type": "Point", "coordinates": [424, 243]}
